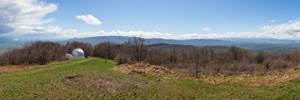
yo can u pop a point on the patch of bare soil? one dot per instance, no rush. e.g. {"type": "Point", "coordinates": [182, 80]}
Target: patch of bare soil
{"type": "Point", "coordinates": [106, 83]}
{"type": "Point", "coordinates": [141, 68]}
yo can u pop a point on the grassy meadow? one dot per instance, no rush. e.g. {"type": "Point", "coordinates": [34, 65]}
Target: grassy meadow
{"type": "Point", "coordinates": [92, 78]}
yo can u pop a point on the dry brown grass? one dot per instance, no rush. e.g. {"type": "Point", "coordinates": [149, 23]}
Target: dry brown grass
{"type": "Point", "coordinates": [12, 68]}
{"type": "Point", "coordinates": [140, 68]}
{"type": "Point", "coordinates": [272, 78]}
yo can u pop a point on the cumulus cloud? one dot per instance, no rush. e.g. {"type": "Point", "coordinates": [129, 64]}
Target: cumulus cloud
{"type": "Point", "coordinates": [72, 33]}
{"type": "Point", "coordinates": [45, 21]}
{"type": "Point", "coordinates": [236, 35]}
{"type": "Point", "coordinates": [289, 30]}
{"type": "Point", "coordinates": [16, 13]}
{"type": "Point", "coordinates": [292, 28]}
{"type": "Point", "coordinates": [206, 29]}
{"type": "Point", "coordinates": [89, 19]}
{"type": "Point", "coordinates": [17, 16]}
{"type": "Point", "coordinates": [224, 35]}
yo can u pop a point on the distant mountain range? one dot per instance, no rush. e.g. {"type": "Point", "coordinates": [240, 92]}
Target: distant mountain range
{"type": "Point", "coordinates": [262, 40]}
{"type": "Point", "coordinates": [257, 44]}
{"type": "Point", "coordinates": [198, 42]}
{"type": "Point", "coordinates": [122, 39]}
{"type": "Point", "coordinates": [164, 46]}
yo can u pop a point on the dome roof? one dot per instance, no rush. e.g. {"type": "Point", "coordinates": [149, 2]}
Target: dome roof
{"type": "Point", "coordinates": [78, 53]}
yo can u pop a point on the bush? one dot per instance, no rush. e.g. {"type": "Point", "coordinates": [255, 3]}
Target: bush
{"type": "Point", "coordinates": [123, 59]}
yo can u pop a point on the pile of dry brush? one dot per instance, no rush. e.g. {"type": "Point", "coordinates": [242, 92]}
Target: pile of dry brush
{"type": "Point", "coordinates": [193, 62]}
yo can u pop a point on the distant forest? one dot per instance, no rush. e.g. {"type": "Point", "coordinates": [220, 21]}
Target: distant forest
{"type": "Point", "coordinates": [192, 61]}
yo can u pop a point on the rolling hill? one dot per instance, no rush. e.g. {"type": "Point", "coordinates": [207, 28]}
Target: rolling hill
{"type": "Point", "coordinates": [92, 78]}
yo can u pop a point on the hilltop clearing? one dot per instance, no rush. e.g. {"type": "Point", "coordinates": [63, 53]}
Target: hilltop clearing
{"type": "Point", "coordinates": [92, 78]}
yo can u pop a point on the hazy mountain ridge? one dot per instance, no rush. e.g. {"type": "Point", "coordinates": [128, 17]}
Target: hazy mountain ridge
{"type": "Point", "coordinates": [262, 40]}
{"type": "Point", "coordinates": [257, 44]}
{"type": "Point", "coordinates": [121, 39]}
{"type": "Point", "coordinates": [197, 42]}
{"type": "Point", "coordinates": [164, 46]}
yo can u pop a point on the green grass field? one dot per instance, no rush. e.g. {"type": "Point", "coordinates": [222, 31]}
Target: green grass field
{"type": "Point", "coordinates": [53, 82]}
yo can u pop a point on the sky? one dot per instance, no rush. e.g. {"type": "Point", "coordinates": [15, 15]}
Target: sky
{"type": "Point", "coordinates": [169, 19]}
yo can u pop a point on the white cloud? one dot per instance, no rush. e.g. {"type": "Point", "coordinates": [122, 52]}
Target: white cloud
{"type": "Point", "coordinates": [236, 35]}
{"type": "Point", "coordinates": [224, 35]}
{"type": "Point", "coordinates": [16, 16]}
{"type": "Point", "coordinates": [72, 33]}
{"type": "Point", "coordinates": [16, 39]}
{"type": "Point", "coordinates": [281, 31]}
{"type": "Point", "coordinates": [272, 21]}
{"type": "Point", "coordinates": [16, 13]}
{"type": "Point", "coordinates": [292, 28]}
{"type": "Point", "coordinates": [45, 21]}
{"type": "Point", "coordinates": [289, 30]}
{"type": "Point", "coordinates": [206, 29]}
{"type": "Point", "coordinates": [89, 19]}
{"type": "Point", "coordinates": [143, 34]}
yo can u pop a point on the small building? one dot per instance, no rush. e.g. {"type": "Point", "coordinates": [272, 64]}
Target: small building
{"type": "Point", "coordinates": [69, 56]}
{"type": "Point", "coordinates": [76, 54]}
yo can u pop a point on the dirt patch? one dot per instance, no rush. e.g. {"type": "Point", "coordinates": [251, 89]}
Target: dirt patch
{"type": "Point", "coordinates": [141, 68]}
{"type": "Point", "coordinates": [72, 77]}
{"type": "Point", "coordinates": [107, 83]}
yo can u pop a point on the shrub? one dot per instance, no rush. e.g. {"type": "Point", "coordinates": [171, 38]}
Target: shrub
{"type": "Point", "coordinates": [123, 59]}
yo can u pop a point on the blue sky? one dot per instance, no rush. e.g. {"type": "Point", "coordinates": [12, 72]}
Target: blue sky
{"type": "Point", "coordinates": [178, 19]}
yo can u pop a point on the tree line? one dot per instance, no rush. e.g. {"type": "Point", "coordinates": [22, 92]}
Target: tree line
{"type": "Point", "coordinates": [201, 60]}
{"type": "Point", "coordinates": [41, 52]}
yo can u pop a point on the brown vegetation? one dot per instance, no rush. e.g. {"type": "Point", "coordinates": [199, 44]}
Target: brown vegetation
{"type": "Point", "coordinates": [205, 60]}
{"type": "Point", "coordinates": [271, 78]}
{"type": "Point", "coordinates": [37, 52]}
{"type": "Point", "coordinates": [141, 68]}
{"type": "Point", "coordinates": [41, 52]}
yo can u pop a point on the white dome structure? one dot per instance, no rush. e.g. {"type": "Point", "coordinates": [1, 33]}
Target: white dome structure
{"type": "Point", "coordinates": [69, 56]}
{"type": "Point", "coordinates": [78, 53]}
